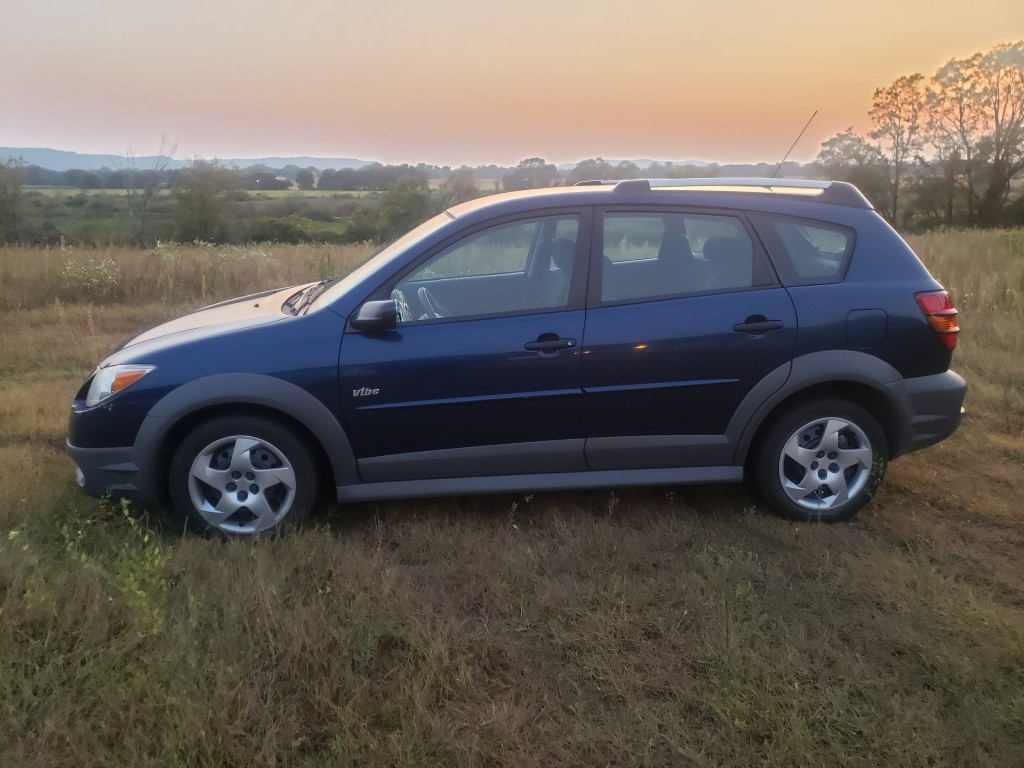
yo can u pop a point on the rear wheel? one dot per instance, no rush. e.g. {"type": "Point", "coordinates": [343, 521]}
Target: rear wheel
{"type": "Point", "coordinates": [821, 461]}
{"type": "Point", "coordinates": [243, 475]}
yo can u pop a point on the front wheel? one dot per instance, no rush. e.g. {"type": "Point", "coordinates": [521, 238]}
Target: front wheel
{"type": "Point", "coordinates": [821, 461]}
{"type": "Point", "coordinates": [242, 475]}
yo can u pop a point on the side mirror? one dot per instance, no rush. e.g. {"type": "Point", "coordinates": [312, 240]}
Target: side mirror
{"type": "Point", "coordinates": [376, 316]}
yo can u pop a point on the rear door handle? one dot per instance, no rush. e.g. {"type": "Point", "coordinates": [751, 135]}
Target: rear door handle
{"type": "Point", "coordinates": [549, 345]}
{"type": "Point", "coordinates": [757, 324]}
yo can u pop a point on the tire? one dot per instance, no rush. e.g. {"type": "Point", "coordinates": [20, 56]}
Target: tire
{"type": "Point", "coordinates": [821, 461]}
{"type": "Point", "coordinates": [241, 475]}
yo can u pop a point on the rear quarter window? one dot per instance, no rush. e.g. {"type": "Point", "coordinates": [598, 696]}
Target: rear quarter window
{"type": "Point", "coordinates": [805, 252]}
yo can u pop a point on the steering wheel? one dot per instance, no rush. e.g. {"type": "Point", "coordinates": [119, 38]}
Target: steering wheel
{"type": "Point", "coordinates": [431, 304]}
{"type": "Point", "coordinates": [402, 306]}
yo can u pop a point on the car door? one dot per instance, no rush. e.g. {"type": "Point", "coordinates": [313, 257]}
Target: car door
{"type": "Point", "coordinates": [684, 319]}
{"type": "Point", "coordinates": [482, 374]}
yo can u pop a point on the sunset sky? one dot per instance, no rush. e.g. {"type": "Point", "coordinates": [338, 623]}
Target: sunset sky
{"type": "Point", "coordinates": [467, 81]}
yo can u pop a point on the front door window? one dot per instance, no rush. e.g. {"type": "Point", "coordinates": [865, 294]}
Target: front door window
{"type": "Point", "coordinates": [513, 268]}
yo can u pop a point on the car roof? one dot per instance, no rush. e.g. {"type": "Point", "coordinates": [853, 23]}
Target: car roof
{"type": "Point", "coordinates": [725, 192]}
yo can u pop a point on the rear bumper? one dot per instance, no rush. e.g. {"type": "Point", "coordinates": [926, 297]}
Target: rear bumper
{"type": "Point", "coordinates": [107, 471]}
{"type": "Point", "coordinates": [931, 408]}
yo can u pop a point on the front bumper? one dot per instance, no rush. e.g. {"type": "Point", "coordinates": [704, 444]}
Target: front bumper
{"type": "Point", "coordinates": [107, 471]}
{"type": "Point", "coordinates": [931, 409]}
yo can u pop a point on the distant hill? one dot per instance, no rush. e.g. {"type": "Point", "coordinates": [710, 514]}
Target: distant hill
{"type": "Point", "coordinates": [320, 163]}
{"type": "Point", "coordinates": [60, 160]}
{"type": "Point", "coordinates": [645, 163]}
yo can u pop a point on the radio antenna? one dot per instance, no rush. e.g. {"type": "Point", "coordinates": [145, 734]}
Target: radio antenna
{"type": "Point", "coordinates": [777, 167]}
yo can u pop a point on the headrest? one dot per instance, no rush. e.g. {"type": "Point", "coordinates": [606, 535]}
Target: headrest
{"type": "Point", "coordinates": [721, 248]}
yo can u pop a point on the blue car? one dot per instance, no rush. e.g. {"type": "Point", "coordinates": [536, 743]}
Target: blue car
{"type": "Point", "coordinates": [645, 332]}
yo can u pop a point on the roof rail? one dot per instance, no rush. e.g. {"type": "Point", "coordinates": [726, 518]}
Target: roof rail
{"type": "Point", "coordinates": [834, 192]}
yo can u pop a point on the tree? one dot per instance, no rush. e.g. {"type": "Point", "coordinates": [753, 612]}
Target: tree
{"type": "Point", "coordinates": [531, 173]}
{"type": "Point", "coordinates": [600, 169]}
{"type": "Point", "coordinates": [847, 156]}
{"type": "Point", "coordinates": [306, 178]}
{"type": "Point", "coordinates": [373, 177]}
{"type": "Point", "coordinates": [1001, 98]}
{"type": "Point", "coordinates": [10, 199]}
{"type": "Point", "coordinates": [361, 227]}
{"type": "Point", "coordinates": [897, 112]}
{"type": "Point", "coordinates": [83, 179]}
{"type": "Point", "coordinates": [976, 127]}
{"type": "Point", "coordinates": [403, 208]}
{"type": "Point", "coordinates": [142, 183]}
{"type": "Point", "coordinates": [460, 187]}
{"type": "Point", "coordinates": [265, 180]}
{"type": "Point", "coordinates": [954, 126]}
{"type": "Point", "coordinates": [205, 193]}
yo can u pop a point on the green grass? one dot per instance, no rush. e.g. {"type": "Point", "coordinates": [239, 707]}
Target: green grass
{"type": "Point", "coordinates": [72, 191]}
{"type": "Point", "coordinates": [308, 193]}
{"type": "Point", "coordinates": [662, 626]}
{"type": "Point", "coordinates": [254, 193]}
{"type": "Point", "coordinates": [102, 217]}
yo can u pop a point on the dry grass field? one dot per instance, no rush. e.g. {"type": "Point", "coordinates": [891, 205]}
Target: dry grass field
{"type": "Point", "coordinates": [651, 627]}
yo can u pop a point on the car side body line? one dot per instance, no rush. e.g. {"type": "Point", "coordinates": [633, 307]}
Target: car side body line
{"type": "Point", "coordinates": [468, 399]}
{"type": "Point", "coordinates": [659, 385]}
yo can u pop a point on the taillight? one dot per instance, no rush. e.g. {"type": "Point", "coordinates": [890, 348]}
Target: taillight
{"type": "Point", "coordinates": [942, 316]}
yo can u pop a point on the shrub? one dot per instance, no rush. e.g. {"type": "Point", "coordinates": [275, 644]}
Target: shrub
{"type": "Point", "coordinates": [90, 279]}
{"type": "Point", "coordinates": [286, 229]}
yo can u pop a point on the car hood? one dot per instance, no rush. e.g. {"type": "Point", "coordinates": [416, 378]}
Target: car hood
{"type": "Point", "coordinates": [235, 314]}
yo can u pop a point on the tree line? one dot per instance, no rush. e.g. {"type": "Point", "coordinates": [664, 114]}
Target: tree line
{"type": "Point", "coordinates": [944, 150]}
{"type": "Point", "coordinates": [208, 201]}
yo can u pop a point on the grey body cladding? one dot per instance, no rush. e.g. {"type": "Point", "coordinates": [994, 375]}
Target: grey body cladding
{"type": "Point", "coordinates": [556, 481]}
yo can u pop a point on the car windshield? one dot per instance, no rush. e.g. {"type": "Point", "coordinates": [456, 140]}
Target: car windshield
{"type": "Point", "coordinates": [379, 259]}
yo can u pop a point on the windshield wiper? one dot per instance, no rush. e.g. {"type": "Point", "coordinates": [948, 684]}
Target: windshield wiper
{"type": "Point", "coordinates": [292, 300]}
{"type": "Point", "coordinates": [311, 294]}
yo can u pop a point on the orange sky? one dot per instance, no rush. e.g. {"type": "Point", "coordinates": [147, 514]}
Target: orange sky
{"type": "Point", "coordinates": [467, 81]}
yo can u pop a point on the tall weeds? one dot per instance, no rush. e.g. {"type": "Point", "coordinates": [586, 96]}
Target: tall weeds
{"type": "Point", "coordinates": [168, 273]}
{"type": "Point", "coordinates": [984, 272]}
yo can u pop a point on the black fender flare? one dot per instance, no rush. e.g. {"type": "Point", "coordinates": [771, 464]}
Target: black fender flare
{"type": "Point", "coordinates": [226, 389]}
{"type": "Point", "coordinates": [840, 365]}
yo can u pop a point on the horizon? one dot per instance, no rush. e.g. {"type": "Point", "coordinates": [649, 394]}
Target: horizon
{"type": "Point", "coordinates": [693, 161]}
{"type": "Point", "coordinates": [7, 153]}
{"type": "Point", "coordinates": [462, 83]}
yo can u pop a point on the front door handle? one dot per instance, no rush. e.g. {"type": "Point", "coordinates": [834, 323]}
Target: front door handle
{"type": "Point", "coordinates": [544, 344]}
{"type": "Point", "coordinates": [758, 324]}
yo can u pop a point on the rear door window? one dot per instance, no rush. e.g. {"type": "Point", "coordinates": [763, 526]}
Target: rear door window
{"type": "Point", "coordinates": [648, 255]}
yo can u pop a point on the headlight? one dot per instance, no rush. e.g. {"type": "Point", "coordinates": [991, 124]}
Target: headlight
{"type": "Point", "coordinates": [112, 379]}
